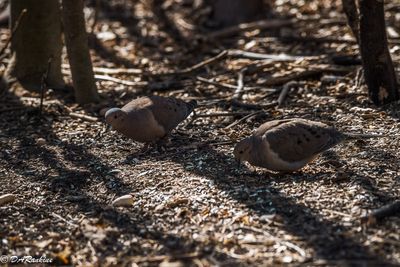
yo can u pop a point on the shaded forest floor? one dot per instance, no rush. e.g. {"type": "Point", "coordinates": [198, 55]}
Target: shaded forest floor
{"type": "Point", "coordinates": [192, 204]}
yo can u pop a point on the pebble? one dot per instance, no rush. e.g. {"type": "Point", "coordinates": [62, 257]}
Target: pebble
{"type": "Point", "coordinates": [123, 201]}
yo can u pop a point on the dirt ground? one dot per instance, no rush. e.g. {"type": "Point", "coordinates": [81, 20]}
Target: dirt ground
{"type": "Point", "coordinates": [193, 205]}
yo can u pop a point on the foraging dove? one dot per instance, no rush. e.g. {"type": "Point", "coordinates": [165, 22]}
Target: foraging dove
{"type": "Point", "coordinates": [148, 119]}
{"type": "Point", "coordinates": [288, 145]}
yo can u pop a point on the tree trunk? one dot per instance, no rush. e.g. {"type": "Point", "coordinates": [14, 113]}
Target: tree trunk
{"type": "Point", "coordinates": [76, 39]}
{"type": "Point", "coordinates": [37, 39]}
{"type": "Point", "coordinates": [232, 12]}
{"type": "Point", "coordinates": [377, 63]}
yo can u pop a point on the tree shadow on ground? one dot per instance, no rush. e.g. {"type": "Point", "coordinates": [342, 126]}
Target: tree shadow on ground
{"type": "Point", "coordinates": [368, 183]}
{"type": "Point", "coordinates": [329, 240]}
{"type": "Point", "coordinates": [69, 172]}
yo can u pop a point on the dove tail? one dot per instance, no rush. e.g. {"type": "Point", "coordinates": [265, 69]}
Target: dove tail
{"type": "Point", "coordinates": [191, 105]}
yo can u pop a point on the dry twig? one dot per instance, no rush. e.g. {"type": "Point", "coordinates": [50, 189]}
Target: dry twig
{"type": "Point", "coordinates": [139, 259]}
{"type": "Point", "coordinates": [268, 57]}
{"type": "Point", "coordinates": [59, 217]}
{"type": "Point", "coordinates": [117, 71]}
{"type": "Point", "coordinates": [240, 85]}
{"type": "Point", "coordinates": [285, 90]}
{"type": "Point", "coordinates": [120, 81]}
{"type": "Point", "coordinates": [192, 68]}
{"type": "Point", "coordinates": [231, 86]}
{"type": "Point", "coordinates": [83, 117]}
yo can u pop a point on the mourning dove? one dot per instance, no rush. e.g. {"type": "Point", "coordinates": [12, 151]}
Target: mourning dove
{"type": "Point", "coordinates": [288, 145]}
{"type": "Point", "coordinates": [148, 119]}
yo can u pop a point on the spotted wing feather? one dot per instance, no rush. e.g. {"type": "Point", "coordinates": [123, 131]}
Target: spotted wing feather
{"type": "Point", "coordinates": [169, 112]}
{"type": "Point", "coordinates": [298, 139]}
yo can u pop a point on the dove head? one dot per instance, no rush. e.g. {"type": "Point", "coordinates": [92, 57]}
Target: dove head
{"type": "Point", "coordinates": [242, 149]}
{"type": "Point", "coordinates": [115, 117]}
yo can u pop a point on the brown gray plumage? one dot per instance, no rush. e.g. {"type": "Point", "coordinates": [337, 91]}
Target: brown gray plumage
{"type": "Point", "coordinates": [148, 119]}
{"type": "Point", "coordinates": [288, 145]}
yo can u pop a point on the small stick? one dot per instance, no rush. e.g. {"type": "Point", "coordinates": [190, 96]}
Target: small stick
{"type": "Point", "coordinates": [83, 117]}
{"type": "Point", "coordinates": [14, 30]}
{"type": "Point", "coordinates": [109, 70]}
{"type": "Point", "coordinates": [194, 67]}
{"type": "Point", "coordinates": [243, 119]}
{"type": "Point", "coordinates": [43, 84]}
{"type": "Point", "coordinates": [381, 213]}
{"type": "Point", "coordinates": [292, 76]}
{"type": "Point", "coordinates": [240, 85]}
{"type": "Point", "coordinates": [231, 86]}
{"type": "Point", "coordinates": [218, 114]}
{"type": "Point", "coordinates": [116, 80]}
{"type": "Point", "coordinates": [117, 71]}
{"type": "Point", "coordinates": [285, 91]}
{"type": "Point", "coordinates": [269, 57]}
{"type": "Point", "coordinates": [222, 85]}
{"type": "Point", "coordinates": [221, 143]}
{"type": "Point", "coordinates": [296, 248]}
{"type": "Point", "coordinates": [359, 78]}
{"type": "Point", "coordinates": [139, 259]}
{"type": "Point", "coordinates": [55, 215]}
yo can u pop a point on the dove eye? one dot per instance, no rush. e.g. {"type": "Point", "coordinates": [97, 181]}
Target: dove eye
{"type": "Point", "coordinates": [240, 152]}
{"type": "Point", "coordinates": [115, 116]}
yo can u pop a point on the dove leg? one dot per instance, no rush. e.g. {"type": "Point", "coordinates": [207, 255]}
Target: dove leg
{"type": "Point", "coordinates": [163, 143]}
